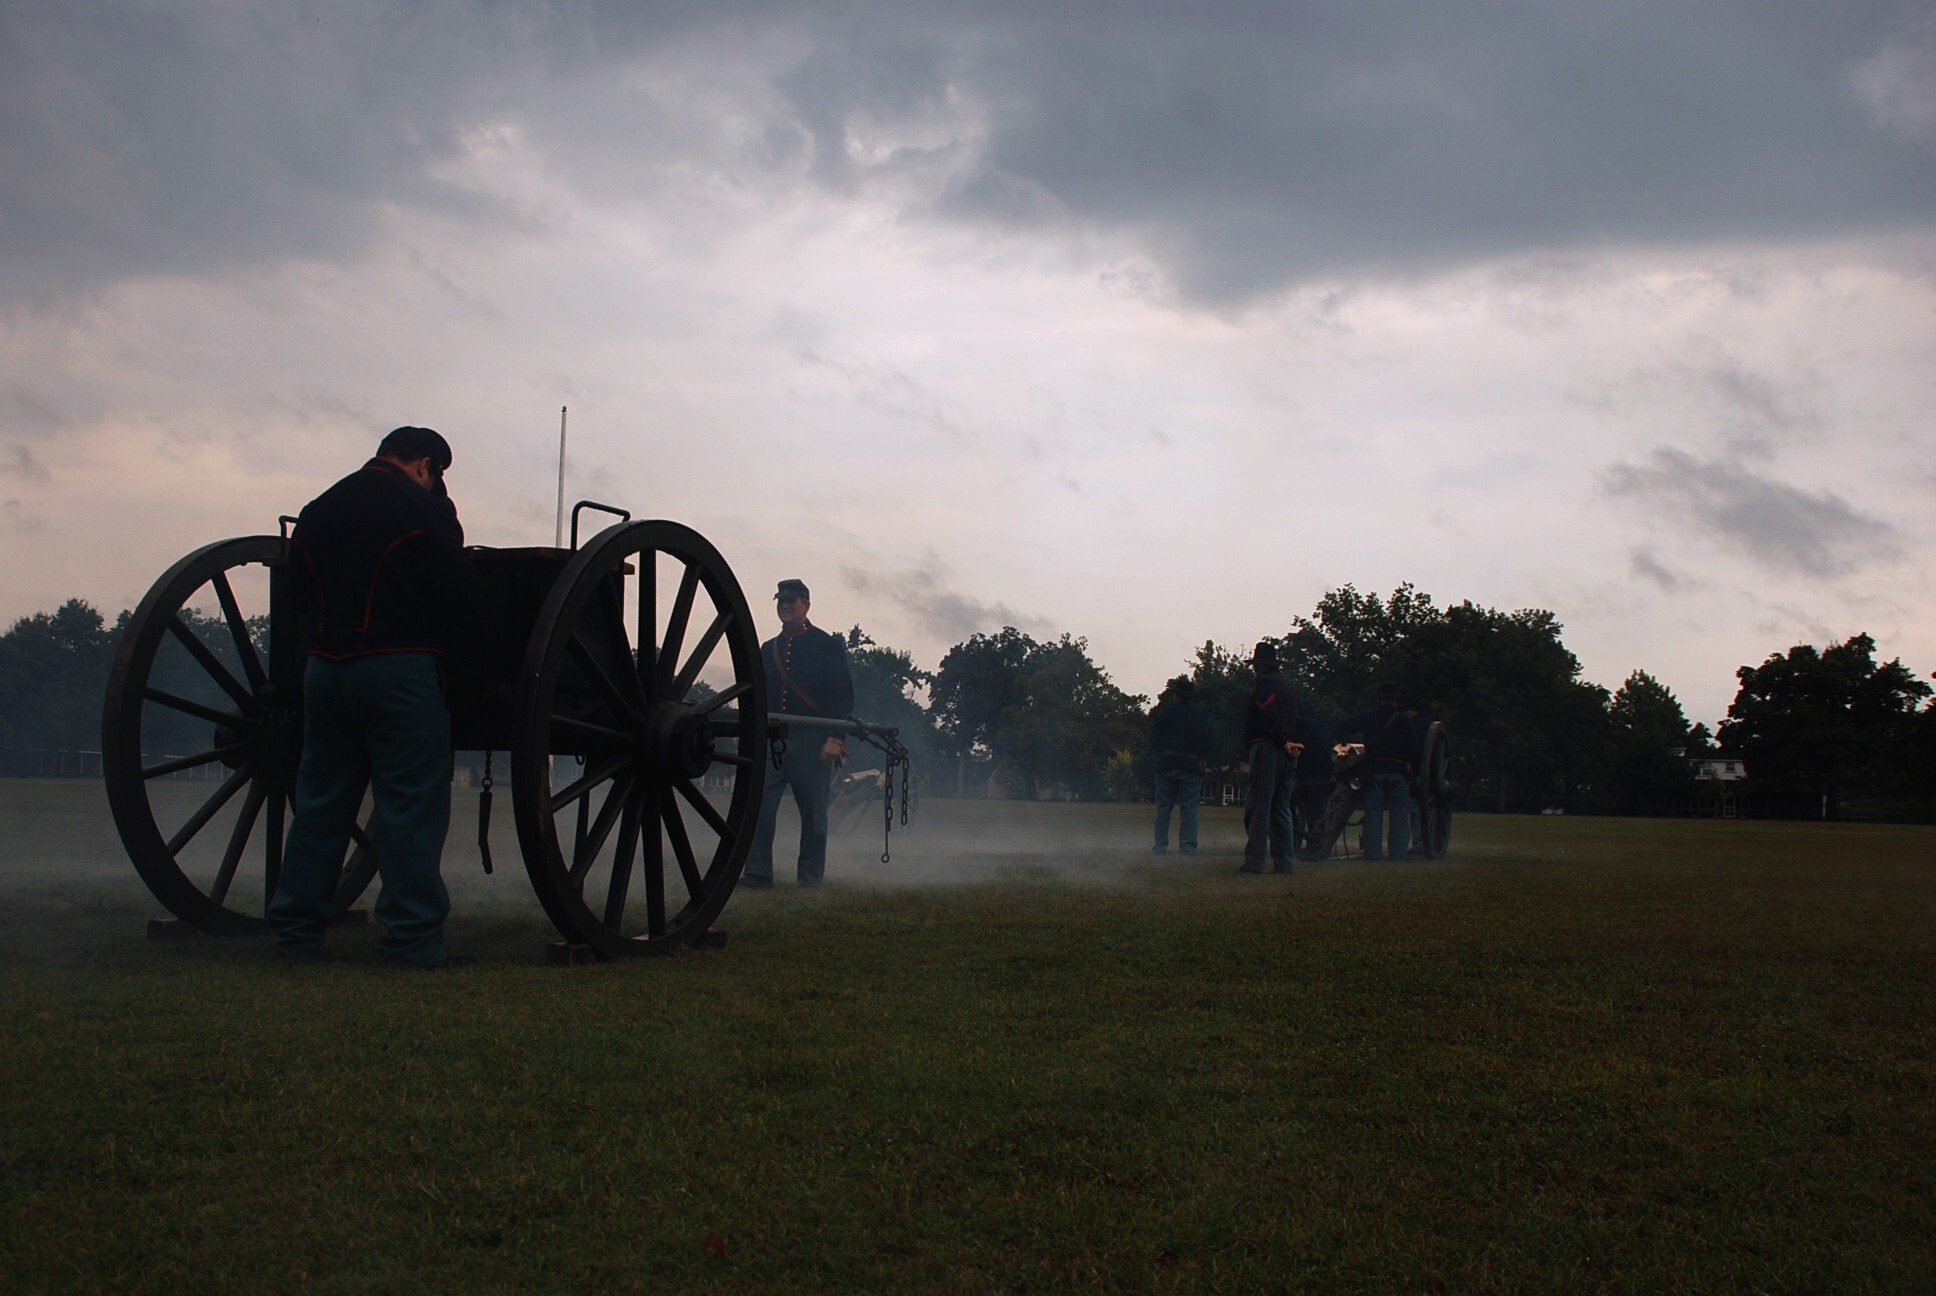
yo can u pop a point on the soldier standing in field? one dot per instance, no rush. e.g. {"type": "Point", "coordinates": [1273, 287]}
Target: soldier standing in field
{"type": "Point", "coordinates": [1391, 738]}
{"type": "Point", "coordinates": [1272, 739]}
{"type": "Point", "coordinates": [379, 570]}
{"type": "Point", "coordinates": [806, 675]}
{"type": "Point", "coordinates": [1183, 741]}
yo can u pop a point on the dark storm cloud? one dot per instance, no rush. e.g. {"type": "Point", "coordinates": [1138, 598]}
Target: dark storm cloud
{"type": "Point", "coordinates": [140, 138]}
{"type": "Point", "coordinates": [1247, 146]}
{"type": "Point", "coordinates": [1254, 145]}
{"type": "Point", "coordinates": [924, 592]}
{"type": "Point", "coordinates": [1778, 526]}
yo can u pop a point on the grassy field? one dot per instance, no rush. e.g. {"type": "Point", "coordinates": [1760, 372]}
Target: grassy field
{"type": "Point", "coordinates": [1024, 1056]}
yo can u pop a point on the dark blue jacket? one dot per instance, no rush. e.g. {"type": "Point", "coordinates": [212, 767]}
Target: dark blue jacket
{"type": "Point", "coordinates": [808, 675]}
{"type": "Point", "coordinates": [1391, 739]}
{"type": "Point", "coordinates": [378, 563]}
{"type": "Point", "coordinates": [1273, 714]}
{"type": "Point", "coordinates": [1182, 737]}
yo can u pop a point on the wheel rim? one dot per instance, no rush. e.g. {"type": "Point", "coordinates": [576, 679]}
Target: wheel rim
{"type": "Point", "coordinates": [1434, 792]}
{"type": "Point", "coordinates": [613, 844]}
{"type": "Point", "coordinates": [201, 734]}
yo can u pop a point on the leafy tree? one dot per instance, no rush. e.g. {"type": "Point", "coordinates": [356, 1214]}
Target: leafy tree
{"type": "Point", "coordinates": [1044, 710]}
{"type": "Point", "coordinates": [1223, 679]}
{"type": "Point", "coordinates": [1526, 727]}
{"type": "Point", "coordinates": [1830, 724]}
{"type": "Point", "coordinates": [977, 681]}
{"type": "Point", "coordinates": [1648, 765]}
{"type": "Point", "coordinates": [1337, 657]}
{"type": "Point", "coordinates": [887, 685]}
{"type": "Point", "coordinates": [1074, 722]}
{"type": "Point", "coordinates": [1700, 742]}
{"type": "Point", "coordinates": [53, 673]}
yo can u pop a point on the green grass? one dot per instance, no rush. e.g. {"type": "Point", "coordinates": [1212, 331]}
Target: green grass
{"type": "Point", "coordinates": [1581, 1055]}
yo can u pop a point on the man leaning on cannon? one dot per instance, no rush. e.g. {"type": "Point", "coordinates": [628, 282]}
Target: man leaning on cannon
{"type": "Point", "coordinates": [378, 566]}
{"type": "Point", "coordinates": [1392, 752]}
{"type": "Point", "coordinates": [806, 675]}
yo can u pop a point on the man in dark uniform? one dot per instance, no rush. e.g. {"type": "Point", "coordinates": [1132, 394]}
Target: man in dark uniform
{"type": "Point", "coordinates": [1273, 732]}
{"type": "Point", "coordinates": [1391, 754]}
{"type": "Point", "coordinates": [1183, 740]}
{"type": "Point", "coordinates": [806, 675]}
{"type": "Point", "coordinates": [379, 568]}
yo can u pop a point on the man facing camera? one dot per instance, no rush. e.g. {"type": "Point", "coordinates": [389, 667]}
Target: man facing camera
{"type": "Point", "coordinates": [807, 676]}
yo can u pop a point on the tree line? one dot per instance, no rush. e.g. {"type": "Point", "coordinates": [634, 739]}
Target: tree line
{"type": "Point", "coordinates": [1822, 732]}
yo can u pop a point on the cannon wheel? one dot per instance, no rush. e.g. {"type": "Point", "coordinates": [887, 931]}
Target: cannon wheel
{"type": "Point", "coordinates": [168, 681]}
{"type": "Point", "coordinates": [1433, 793]}
{"type": "Point", "coordinates": [597, 839]}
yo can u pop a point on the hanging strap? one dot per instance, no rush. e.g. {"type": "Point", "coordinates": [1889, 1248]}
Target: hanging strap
{"type": "Point", "coordinates": [786, 682]}
{"type": "Point", "coordinates": [484, 817]}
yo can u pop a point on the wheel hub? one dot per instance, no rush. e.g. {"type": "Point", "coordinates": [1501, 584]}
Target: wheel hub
{"type": "Point", "coordinates": [679, 742]}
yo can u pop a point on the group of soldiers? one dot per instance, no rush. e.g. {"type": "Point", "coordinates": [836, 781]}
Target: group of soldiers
{"type": "Point", "coordinates": [379, 566]}
{"type": "Point", "coordinates": [1283, 746]}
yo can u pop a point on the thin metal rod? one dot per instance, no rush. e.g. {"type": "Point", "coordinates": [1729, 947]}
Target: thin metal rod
{"type": "Point", "coordinates": [558, 537]}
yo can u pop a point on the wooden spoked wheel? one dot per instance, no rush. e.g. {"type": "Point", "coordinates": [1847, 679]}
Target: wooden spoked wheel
{"type": "Point", "coordinates": [1432, 790]}
{"type": "Point", "coordinates": [201, 734]}
{"type": "Point", "coordinates": [641, 694]}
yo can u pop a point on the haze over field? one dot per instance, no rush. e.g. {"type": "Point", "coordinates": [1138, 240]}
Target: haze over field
{"type": "Point", "coordinates": [1143, 323]}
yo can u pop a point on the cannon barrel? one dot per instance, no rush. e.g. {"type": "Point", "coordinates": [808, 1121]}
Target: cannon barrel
{"type": "Point", "coordinates": [778, 723]}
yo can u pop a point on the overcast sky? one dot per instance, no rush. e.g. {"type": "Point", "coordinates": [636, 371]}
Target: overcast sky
{"type": "Point", "coordinates": [1148, 323]}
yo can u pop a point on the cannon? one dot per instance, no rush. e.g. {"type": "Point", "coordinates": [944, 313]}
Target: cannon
{"type": "Point", "coordinates": [622, 676]}
{"type": "Point", "coordinates": [1337, 804]}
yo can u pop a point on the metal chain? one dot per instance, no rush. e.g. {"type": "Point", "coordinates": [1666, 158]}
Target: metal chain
{"type": "Point", "coordinates": [887, 805]}
{"type": "Point", "coordinates": [484, 816]}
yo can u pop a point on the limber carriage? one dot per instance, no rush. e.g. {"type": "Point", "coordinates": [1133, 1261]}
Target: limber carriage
{"type": "Point", "coordinates": [622, 676]}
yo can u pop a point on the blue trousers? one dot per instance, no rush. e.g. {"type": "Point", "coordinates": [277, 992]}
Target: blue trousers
{"type": "Point", "coordinates": [1267, 810]}
{"type": "Point", "coordinates": [378, 723]}
{"type": "Point", "coordinates": [1388, 796]}
{"type": "Point", "coordinates": [1174, 789]}
{"type": "Point", "coordinates": [812, 781]}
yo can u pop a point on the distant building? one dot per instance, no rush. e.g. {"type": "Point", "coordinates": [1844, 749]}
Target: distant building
{"type": "Point", "coordinates": [1724, 768]}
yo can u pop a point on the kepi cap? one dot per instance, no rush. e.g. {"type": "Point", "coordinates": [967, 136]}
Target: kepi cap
{"type": "Point", "coordinates": [409, 443]}
{"type": "Point", "coordinates": [791, 588]}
